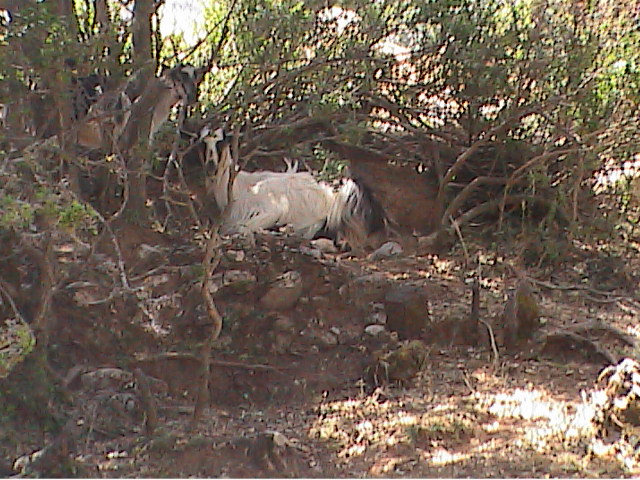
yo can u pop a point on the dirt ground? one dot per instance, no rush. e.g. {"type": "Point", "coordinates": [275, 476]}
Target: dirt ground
{"type": "Point", "coordinates": [297, 388]}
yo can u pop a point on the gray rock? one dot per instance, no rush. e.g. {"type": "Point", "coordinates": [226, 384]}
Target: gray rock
{"type": "Point", "coordinates": [374, 330]}
{"type": "Point", "coordinates": [113, 378]}
{"type": "Point", "coordinates": [235, 255]}
{"type": "Point", "coordinates": [145, 251]}
{"type": "Point", "coordinates": [326, 339]}
{"type": "Point", "coordinates": [379, 318]}
{"type": "Point", "coordinates": [407, 308]}
{"type": "Point", "coordinates": [284, 292]}
{"type": "Point", "coordinates": [325, 245]}
{"type": "Point", "coordinates": [236, 280]}
{"type": "Point", "coordinates": [387, 250]}
{"type": "Point", "coordinates": [284, 324]}
{"type": "Point", "coordinates": [312, 252]}
{"type": "Point", "coordinates": [364, 290]}
{"type": "Point", "coordinates": [372, 278]}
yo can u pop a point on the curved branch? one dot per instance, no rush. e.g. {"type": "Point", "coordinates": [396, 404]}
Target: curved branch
{"type": "Point", "coordinates": [493, 204]}
{"type": "Point", "coordinates": [467, 191]}
{"type": "Point", "coordinates": [210, 263]}
{"type": "Point", "coordinates": [486, 138]}
{"type": "Point", "coordinates": [521, 170]}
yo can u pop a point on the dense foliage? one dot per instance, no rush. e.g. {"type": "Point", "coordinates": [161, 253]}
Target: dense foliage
{"type": "Point", "coordinates": [514, 118]}
{"type": "Point", "coordinates": [525, 100]}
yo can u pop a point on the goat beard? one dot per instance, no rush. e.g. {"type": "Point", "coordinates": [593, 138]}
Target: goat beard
{"type": "Point", "coordinates": [353, 233]}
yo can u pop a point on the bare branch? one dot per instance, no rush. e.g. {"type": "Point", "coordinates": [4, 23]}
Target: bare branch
{"type": "Point", "coordinates": [466, 192]}
{"type": "Point", "coordinates": [496, 203]}
{"type": "Point", "coordinates": [210, 263]}
{"type": "Point", "coordinates": [517, 174]}
{"type": "Point", "coordinates": [485, 138]}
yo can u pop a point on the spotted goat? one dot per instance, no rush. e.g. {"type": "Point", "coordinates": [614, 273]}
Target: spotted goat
{"type": "Point", "coordinates": [112, 117]}
{"type": "Point", "coordinates": [266, 199]}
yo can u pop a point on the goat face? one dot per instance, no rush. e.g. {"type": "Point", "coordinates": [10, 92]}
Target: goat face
{"type": "Point", "coordinates": [86, 91]}
{"type": "Point", "coordinates": [185, 80]}
{"type": "Point", "coordinates": [105, 121]}
{"type": "Point", "coordinates": [216, 142]}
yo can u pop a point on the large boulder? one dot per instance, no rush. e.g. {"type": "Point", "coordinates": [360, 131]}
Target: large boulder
{"type": "Point", "coordinates": [407, 308]}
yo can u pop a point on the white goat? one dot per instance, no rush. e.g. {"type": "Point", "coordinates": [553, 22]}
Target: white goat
{"type": "Point", "coordinates": [219, 154]}
{"type": "Point", "coordinates": [263, 200]}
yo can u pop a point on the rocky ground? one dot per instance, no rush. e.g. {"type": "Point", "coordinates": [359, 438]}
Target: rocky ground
{"type": "Point", "coordinates": [392, 364]}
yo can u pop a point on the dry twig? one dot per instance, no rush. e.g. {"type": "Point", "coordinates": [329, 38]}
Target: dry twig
{"type": "Point", "coordinates": [210, 263]}
{"type": "Point", "coordinates": [148, 402]}
{"type": "Point", "coordinates": [218, 363]}
{"type": "Point", "coordinates": [494, 347]}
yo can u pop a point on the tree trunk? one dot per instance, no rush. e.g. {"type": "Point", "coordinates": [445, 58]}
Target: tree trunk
{"type": "Point", "coordinates": [65, 10]}
{"type": "Point", "coordinates": [102, 15]}
{"type": "Point", "coordinates": [142, 34]}
{"type": "Point", "coordinates": [63, 101]}
{"type": "Point", "coordinates": [136, 142]}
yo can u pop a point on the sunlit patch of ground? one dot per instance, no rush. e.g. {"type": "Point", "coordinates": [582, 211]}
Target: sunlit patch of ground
{"type": "Point", "coordinates": [506, 430]}
{"type": "Point", "coordinates": [524, 417]}
{"type": "Point", "coordinates": [466, 414]}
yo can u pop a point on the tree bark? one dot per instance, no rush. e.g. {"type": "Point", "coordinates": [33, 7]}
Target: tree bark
{"type": "Point", "coordinates": [63, 101]}
{"type": "Point", "coordinates": [65, 10]}
{"type": "Point", "coordinates": [136, 145]}
{"type": "Point", "coordinates": [142, 35]}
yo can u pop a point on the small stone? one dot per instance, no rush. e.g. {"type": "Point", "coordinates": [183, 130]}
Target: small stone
{"type": "Point", "coordinates": [320, 300]}
{"type": "Point", "coordinates": [238, 281]}
{"type": "Point", "coordinates": [281, 342]}
{"type": "Point", "coordinates": [379, 318]}
{"type": "Point", "coordinates": [325, 245]}
{"type": "Point", "coordinates": [223, 342]}
{"type": "Point", "coordinates": [373, 278]}
{"type": "Point", "coordinates": [156, 280]}
{"type": "Point", "coordinates": [284, 293]}
{"type": "Point", "coordinates": [284, 324]}
{"type": "Point", "coordinates": [436, 242]}
{"type": "Point", "coordinates": [407, 310]}
{"type": "Point", "coordinates": [147, 251]}
{"type": "Point", "coordinates": [312, 252]}
{"type": "Point", "coordinates": [236, 255]}
{"type": "Point", "coordinates": [327, 339]}
{"type": "Point", "coordinates": [106, 378]}
{"type": "Point", "coordinates": [386, 250]}
{"type": "Point", "coordinates": [279, 439]}
{"type": "Point", "coordinates": [403, 364]}
{"type": "Point", "coordinates": [374, 330]}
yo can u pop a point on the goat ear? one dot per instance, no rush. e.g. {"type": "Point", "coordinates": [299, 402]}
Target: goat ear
{"type": "Point", "coordinates": [199, 73]}
{"type": "Point", "coordinates": [219, 134]}
{"type": "Point", "coordinates": [190, 71]}
{"type": "Point", "coordinates": [204, 132]}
